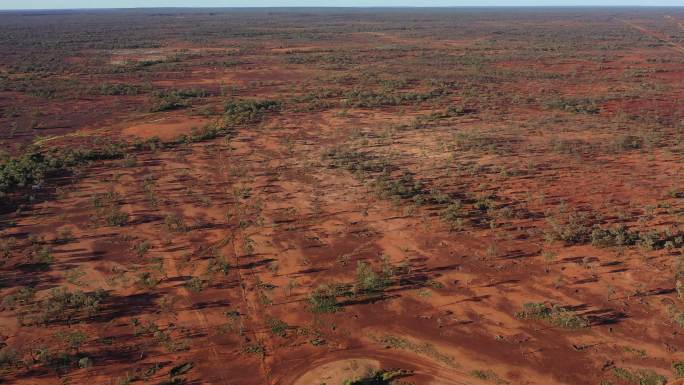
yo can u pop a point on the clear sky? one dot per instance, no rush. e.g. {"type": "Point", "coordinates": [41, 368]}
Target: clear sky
{"type": "Point", "coordinates": [61, 4]}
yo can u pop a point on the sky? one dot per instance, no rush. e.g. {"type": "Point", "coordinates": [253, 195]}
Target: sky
{"type": "Point", "coordinates": [69, 4]}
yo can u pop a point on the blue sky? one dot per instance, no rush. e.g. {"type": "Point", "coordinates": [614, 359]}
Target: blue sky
{"type": "Point", "coordinates": [58, 4]}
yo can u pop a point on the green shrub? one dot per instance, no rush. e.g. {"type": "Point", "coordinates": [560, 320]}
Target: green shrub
{"type": "Point", "coordinates": [640, 376]}
{"type": "Point", "coordinates": [219, 264]}
{"type": "Point", "coordinates": [195, 284]}
{"type": "Point", "coordinates": [167, 103]}
{"type": "Point", "coordinates": [617, 236]}
{"type": "Point", "coordinates": [167, 100]}
{"type": "Point", "coordinates": [555, 315]}
{"type": "Point", "coordinates": [142, 248]}
{"type": "Point", "coordinates": [248, 111]}
{"type": "Point", "coordinates": [488, 375]}
{"type": "Point", "coordinates": [175, 224]}
{"type": "Point", "coordinates": [404, 187]}
{"type": "Point", "coordinates": [475, 140]}
{"type": "Point", "coordinates": [579, 105]}
{"type": "Point", "coordinates": [324, 299]}
{"type": "Point", "coordinates": [63, 305]}
{"type": "Point", "coordinates": [575, 230]}
{"type": "Point", "coordinates": [368, 281]}
{"type": "Point", "coordinates": [353, 161]}
{"type": "Point", "coordinates": [116, 89]}
{"type": "Point", "coordinates": [41, 256]}
{"type": "Point", "coordinates": [370, 99]}
{"type": "Point", "coordinates": [277, 327]}
{"type": "Point", "coordinates": [678, 368]}
{"type": "Point", "coordinates": [116, 217]}
{"type": "Point", "coordinates": [107, 208]}
{"type": "Point", "coordinates": [30, 169]}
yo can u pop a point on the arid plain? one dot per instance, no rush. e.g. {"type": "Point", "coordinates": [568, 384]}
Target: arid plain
{"type": "Point", "coordinates": [342, 196]}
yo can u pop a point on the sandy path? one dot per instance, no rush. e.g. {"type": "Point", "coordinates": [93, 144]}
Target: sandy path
{"type": "Point", "coordinates": [655, 35]}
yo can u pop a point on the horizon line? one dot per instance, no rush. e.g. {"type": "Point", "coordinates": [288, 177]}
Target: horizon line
{"type": "Point", "coordinates": [345, 7]}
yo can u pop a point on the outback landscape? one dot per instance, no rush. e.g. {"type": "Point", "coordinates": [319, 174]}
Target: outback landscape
{"type": "Point", "coordinates": [342, 196]}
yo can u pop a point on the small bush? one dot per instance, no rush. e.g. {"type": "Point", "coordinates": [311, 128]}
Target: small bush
{"type": "Point", "coordinates": [488, 375]}
{"type": "Point", "coordinates": [277, 327]}
{"type": "Point", "coordinates": [368, 281]}
{"type": "Point", "coordinates": [678, 368]}
{"type": "Point", "coordinates": [618, 236]}
{"type": "Point", "coordinates": [555, 315]}
{"type": "Point", "coordinates": [248, 111]}
{"type": "Point", "coordinates": [63, 305]}
{"type": "Point", "coordinates": [580, 106]}
{"type": "Point", "coordinates": [404, 187]}
{"type": "Point", "coordinates": [575, 230]}
{"type": "Point", "coordinates": [640, 376]}
{"type": "Point", "coordinates": [324, 299]}
{"type": "Point", "coordinates": [354, 161]}
{"type": "Point", "coordinates": [219, 265]}
{"type": "Point", "coordinates": [195, 284]}
{"type": "Point", "coordinates": [175, 224]}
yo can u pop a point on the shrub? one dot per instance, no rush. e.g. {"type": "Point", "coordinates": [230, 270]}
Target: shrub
{"type": "Point", "coordinates": [368, 281]}
{"type": "Point", "coordinates": [73, 338]}
{"type": "Point", "coordinates": [63, 305]}
{"type": "Point", "coordinates": [324, 299]}
{"type": "Point", "coordinates": [640, 376]}
{"type": "Point", "coordinates": [116, 89]}
{"type": "Point", "coordinates": [555, 315]}
{"type": "Point", "coordinates": [6, 246]}
{"type": "Point", "coordinates": [64, 236]}
{"type": "Point", "coordinates": [678, 368]}
{"type": "Point", "coordinates": [219, 265]}
{"type": "Point", "coordinates": [167, 100]}
{"type": "Point", "coordinates": [488, 375]}
{"type": "Point", "coordinates": [147, 280]}
{"type": "Point", "coordinates": [277, 327]}
{"type": "Point", "coordinates": [9, 358]}
{"type": "Point", "coordinates": [257, 348]}
{"type": "Point", "coordinates": [575, 230]}
{"type": "Point", "coordinates": [677, 315]}
{"type": "Point", "coordinates": [617, 236]}
{"type": "Point", "coordinates": [107, 208]}
{"type": "Point", "coordinates": [41, 256]}
{"type": "Point", "coordinates": [142, 248]}
{"type": "Point", "coordinates": [85, 362]}
{"type": "Point", "coordinates": [381, 377]}
{"type": "Point", "coordinates": [477, 140]}
{"type": "Point", "coordinates": [626, 143]}
{"type": "Point", "coordinates": [195, 284]}
{"type": "Point", "coordinates": [167, 103]}
{"type": "Point", "coordinates": [22, 297]}
{"type": "Point", "coordinates": [353, 161]}
{"type": "Point", "coordinates": [116, 217]}
{"type": "Point", "coordinates": [175, 224]}
{"type": "Point", "coordinates": [404, 187]}
{"type": "Point", "coordinates": [248, 111]}
{"type": "Point", "coordinates": [370, 99]}
{"type": "Point", "coordinates": [581, 105]}
{"type": "Point", "coordinates": [25, 170]}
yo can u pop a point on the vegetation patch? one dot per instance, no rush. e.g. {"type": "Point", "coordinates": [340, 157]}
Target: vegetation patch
{"type": "Point", "coordinates": [555, 315]}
